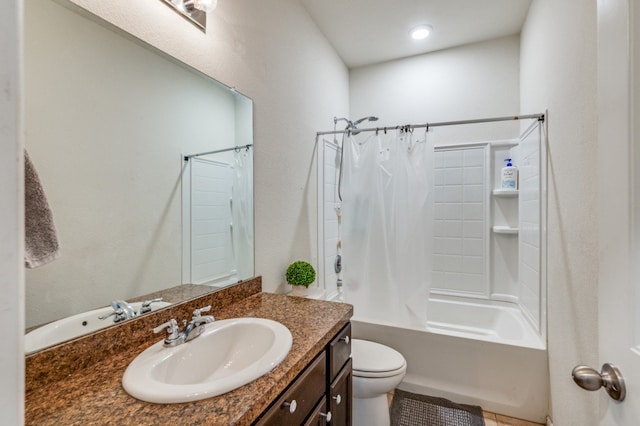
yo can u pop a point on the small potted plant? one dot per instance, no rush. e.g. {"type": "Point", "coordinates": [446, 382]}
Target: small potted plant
{"type": "Point", "coordinates": [300, 275]}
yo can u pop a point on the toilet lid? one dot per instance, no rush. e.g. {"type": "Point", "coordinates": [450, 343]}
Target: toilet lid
{"type": "Point", "coordinates": [373, 357]}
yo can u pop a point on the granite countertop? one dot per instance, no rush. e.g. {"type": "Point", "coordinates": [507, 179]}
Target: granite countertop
{"type": "Point", "coordinates": [94, 395]}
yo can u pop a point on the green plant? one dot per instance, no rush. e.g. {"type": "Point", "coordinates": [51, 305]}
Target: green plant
{"type": "Point", "coordinates": [301, 273]}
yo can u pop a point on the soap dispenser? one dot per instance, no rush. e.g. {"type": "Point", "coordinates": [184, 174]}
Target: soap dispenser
{"type": "Point", "coordinates": [509, 176]}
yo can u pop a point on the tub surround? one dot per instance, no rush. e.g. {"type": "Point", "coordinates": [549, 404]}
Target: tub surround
{"type": "Point", "coordinates": [80, 382]}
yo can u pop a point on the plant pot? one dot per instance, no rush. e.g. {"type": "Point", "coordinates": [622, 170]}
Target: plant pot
{"type": "Point", "coordinates": [299, 291]}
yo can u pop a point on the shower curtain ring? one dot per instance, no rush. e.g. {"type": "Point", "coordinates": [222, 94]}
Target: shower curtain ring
{"type": "Point", "coordinates": [377, 130]}
{"type": "Point", "coordinates": [237, 149]}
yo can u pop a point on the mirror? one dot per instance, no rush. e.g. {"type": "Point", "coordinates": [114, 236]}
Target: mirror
{"type": "Point", "coordinates": [109, 121]}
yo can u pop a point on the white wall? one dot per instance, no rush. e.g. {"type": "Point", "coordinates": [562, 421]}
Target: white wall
{"type": "Point", "coordinates": [558, 72]}
{"type": "Point", "coordinates": [11, 215]}
{"type": "Point", "coordinates": [271, 51]}
{"type": "Point", "coordinates": [473, 81]}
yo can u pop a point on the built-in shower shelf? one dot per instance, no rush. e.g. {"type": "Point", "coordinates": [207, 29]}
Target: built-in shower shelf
{"type": "Point", "coordinates": [505, 192]}
{"type": "Point", "coordinates": [507, 230]}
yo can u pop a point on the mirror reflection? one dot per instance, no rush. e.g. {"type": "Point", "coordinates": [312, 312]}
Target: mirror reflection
{"type": "Point", "coordinates": [109, 121]}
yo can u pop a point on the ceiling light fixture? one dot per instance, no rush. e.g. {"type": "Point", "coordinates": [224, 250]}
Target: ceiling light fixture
{"type": "Point", "coordinates": [194, 11]}
{"type": "Point", "coordinates": [204, 5]}
{"type": "Point", "coordinates": [421, 32]}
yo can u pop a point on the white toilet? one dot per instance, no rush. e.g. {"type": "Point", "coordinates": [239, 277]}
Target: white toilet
{"type": "Point", "coordinates": [377, 370]}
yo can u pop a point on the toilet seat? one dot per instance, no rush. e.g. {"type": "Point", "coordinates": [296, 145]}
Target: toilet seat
{"type": "Point", "coordinates": [371, 359]}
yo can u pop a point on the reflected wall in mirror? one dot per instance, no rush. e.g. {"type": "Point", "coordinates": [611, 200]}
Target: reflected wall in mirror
{"type": "Point", "coordinates": [108, 123]}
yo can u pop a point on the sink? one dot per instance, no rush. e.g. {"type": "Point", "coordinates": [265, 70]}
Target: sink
{"type": "Point", "coordinates": [75, 326]}
{"type": "Point", "coordinates": [228, 354]}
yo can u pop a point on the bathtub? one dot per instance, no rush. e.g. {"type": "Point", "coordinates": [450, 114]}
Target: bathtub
{"type": "Point", "coordinates": [471, 353]}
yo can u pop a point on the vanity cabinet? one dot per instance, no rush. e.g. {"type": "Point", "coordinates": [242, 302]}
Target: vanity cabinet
{"type": "Point", "coordinates": [321, 394]}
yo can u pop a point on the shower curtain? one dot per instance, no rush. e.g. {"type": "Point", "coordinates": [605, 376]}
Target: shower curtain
{"type": "Point", "coordinates": [242, 212]}
{"type": "Point", "coordinates": [386, 226]}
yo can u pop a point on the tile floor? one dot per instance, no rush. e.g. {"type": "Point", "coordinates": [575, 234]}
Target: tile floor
{"type": "Point", "coordinates": [493, 419]}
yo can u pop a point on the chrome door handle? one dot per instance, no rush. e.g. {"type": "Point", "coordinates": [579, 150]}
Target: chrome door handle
{"type": "Point", "coordinates": [609, 378]}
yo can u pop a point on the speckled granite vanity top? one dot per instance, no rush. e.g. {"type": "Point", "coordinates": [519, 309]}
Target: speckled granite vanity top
{"type": "Point", "coordinates": [93, 394]}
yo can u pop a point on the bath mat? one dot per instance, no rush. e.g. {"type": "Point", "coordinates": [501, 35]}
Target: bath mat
{"type": "Point", "coordinates": [410, 409]}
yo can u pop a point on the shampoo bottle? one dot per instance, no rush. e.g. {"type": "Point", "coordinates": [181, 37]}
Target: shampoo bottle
{"type": "Point", "coordinates": [509, 176]}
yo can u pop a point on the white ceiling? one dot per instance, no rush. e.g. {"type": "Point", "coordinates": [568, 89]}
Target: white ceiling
{"type": "Point", "coordinates": [365, 32]}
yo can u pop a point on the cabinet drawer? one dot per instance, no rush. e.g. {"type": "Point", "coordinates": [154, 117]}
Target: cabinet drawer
{"type": "Point", "coordinates": [340, 394]}
{"type": "Point", "coordinates": [319, 416]}
{"type": "Point", "coordinates": [303, 394]}
{"type": "Point", "coordinates": [339, 351]}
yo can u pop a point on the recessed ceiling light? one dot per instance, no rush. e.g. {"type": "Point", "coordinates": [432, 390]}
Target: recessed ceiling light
{"type": "Point", "coordinates": [421, 32]}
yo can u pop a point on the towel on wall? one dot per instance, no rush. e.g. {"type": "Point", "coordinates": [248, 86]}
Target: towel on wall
{"type": "Point", "coordinates": [41, 239]}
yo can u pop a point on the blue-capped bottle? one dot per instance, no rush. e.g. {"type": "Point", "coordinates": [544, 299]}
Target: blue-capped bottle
{"type": "Point", "coordinates": [509, 176]}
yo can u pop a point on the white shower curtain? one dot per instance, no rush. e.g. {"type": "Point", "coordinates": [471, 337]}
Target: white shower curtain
{"type": "Point", "coordinates": [386, 226]}
{"type": "Point", "coordinates": [242, 212]}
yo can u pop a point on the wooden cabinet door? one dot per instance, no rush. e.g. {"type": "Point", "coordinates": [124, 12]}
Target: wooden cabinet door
{"type": "Point", "coordinates": [340, 395]}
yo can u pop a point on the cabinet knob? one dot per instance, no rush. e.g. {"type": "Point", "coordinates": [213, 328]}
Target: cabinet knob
{"type": "Point", "coordinates": [345, 339]}
{"type": "Point", "coordinates": [327, 416]}
{"type": "Point", "coordinates": [291, 405]}
{"type": "Point", "coordinates": [338, 399]}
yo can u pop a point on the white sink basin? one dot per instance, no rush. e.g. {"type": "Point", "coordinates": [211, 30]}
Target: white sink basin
{"type": "Point", "coordinates": [228, 354]}
{"type": "Point", "coordinates": [75, 326]}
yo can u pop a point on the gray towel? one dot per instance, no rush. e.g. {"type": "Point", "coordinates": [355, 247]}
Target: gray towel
{"type": "Point", "coordinates": [41, 239]}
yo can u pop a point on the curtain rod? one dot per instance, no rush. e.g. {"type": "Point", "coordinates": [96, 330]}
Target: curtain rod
{"type": "Point", "coordinates": [539, 117]}
{"type": "Point", "coordinates": [235, 148]}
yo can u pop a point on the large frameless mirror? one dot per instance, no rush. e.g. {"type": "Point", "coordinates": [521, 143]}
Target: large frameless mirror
{"type": "Point", "coordinates": [109, 122]}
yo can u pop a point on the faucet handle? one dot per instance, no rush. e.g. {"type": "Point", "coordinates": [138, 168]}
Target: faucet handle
{"type": "Point", "coordinates": [171, 326]}
{"type": "Point", "coordinates": [174, 336]}
{"type": "Point", "coordinates": [198, 312]}
{"type": "Point", "coordinates": [146, 305]}
{"type": "Point", "coordinates": [116, 311]}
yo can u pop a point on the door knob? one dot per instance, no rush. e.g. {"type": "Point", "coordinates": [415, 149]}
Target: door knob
{"type": "Point", "coordinates": [609, 378]}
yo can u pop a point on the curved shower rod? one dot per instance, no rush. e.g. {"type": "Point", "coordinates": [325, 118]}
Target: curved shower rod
{"type": "Point", "coordinates": [409, 127]}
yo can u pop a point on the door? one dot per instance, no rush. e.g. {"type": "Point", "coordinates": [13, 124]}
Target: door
{"type": "Point", "coordinates": [619, 201]}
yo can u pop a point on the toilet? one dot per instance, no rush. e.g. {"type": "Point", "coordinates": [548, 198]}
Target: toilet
{"type": "Point", "coordinates": [377, 370]}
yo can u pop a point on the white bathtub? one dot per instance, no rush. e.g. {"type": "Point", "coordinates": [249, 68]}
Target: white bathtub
{"type": "Point", "coordinates": [498, 323]}
{"type": "Point", "coordinates": [471, 353]}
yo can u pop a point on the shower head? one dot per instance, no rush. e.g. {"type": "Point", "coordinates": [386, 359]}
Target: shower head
{"type": "Point", "coordinates": [370, 118]}
{"type": "Point", "coordinates": [354, 126]}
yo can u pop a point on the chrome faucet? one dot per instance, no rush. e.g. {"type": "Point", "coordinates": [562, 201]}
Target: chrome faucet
{"type": "Point", "coordinates": [121, 311]}
{"type": "Point", "coordinates": [193, 329]}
